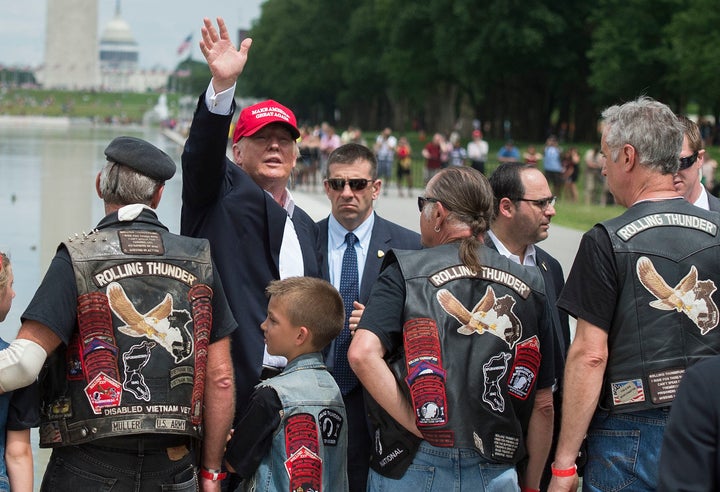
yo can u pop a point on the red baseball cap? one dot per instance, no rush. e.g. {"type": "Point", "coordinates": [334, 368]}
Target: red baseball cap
{"type": "Point", "coordinates": [257, 116]}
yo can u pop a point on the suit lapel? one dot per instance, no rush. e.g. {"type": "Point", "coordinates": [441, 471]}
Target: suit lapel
{"type": "Point", "coordinates": [379, 241]}
{"type": "Point", "coordinates": [276, 229]}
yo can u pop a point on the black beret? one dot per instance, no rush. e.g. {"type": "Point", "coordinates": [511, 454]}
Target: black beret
{"type": "Point", "coordinates": [141, 156]}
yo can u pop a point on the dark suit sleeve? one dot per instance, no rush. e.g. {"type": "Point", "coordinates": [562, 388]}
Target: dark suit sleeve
{"type": "Point", "coordinates": [204, 160]}
{"type": "Point", "coordinates": [689, 456]}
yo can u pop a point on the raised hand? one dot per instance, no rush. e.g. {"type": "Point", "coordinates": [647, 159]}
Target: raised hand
{"type": "Point", "coordinates": [225, 62]}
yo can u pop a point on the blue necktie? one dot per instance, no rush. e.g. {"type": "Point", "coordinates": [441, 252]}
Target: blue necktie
{"type": "Point", "coordinates": [344, 376]}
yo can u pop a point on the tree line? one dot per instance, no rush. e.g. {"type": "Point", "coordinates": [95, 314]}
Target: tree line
{"type": "Point", "coordinates": [537, 66]}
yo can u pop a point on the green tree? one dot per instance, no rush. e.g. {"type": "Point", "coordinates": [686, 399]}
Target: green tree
{"type": "Point", "coordinates": [694, 55]}
{"type": "Point", "coordinates": [189, 77]}
{"type": "Point", "coordinates": [629, 50]}
{"type": "Point", "coordinates": [293, 57]}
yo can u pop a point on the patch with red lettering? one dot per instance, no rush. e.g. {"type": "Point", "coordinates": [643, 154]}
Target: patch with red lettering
{"type": "Point", "coordinates": [525, 368]}
{"type": "Point", "coordinates": [98, 348]}
{"type": "Point", "coordinates": [303, 465]}
{"type": "Point", "coordinates": [305, 471]}
{"type": "Point", "coordinates": [301, 430]}
{"type": "Point", "coordinates": [103, 392]}
{"type": "Point", "coordinates": [426, 376]}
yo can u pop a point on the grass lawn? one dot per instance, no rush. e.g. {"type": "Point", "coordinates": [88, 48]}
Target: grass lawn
{"type": "Point", "coordinates": [573, 215]}
{"type": "Point", "coordinates": [124, 107]}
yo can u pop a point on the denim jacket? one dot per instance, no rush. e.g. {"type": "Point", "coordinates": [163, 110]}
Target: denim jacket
{"type": "Point", "coordinates": [309, 448]}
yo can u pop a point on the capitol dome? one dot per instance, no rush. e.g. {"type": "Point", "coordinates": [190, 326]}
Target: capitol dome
{"type": "Point", "coordinates": [117, 31]}
{"type": "Point", "coordinates": [119, 53]}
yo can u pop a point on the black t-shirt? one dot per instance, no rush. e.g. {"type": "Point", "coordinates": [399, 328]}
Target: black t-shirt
{"type": "Point", "coordinates": [253, 434]}
{"type": "Point", "coordinates": [24, 411]}
{"type": "Point", "coordinates": [591, 290]}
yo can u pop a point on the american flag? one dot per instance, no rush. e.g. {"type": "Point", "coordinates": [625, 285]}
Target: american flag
{"type": "Point", "coordinates": [184, 45]}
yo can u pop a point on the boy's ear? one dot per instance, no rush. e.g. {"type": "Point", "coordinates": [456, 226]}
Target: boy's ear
{"type": "Point", "coordinates": [303, 336]}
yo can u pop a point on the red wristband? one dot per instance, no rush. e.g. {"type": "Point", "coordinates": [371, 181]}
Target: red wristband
{"type": "Point", "coordinates": [213, 475]}
{"type": "Point", "coordinates": [569, 472]}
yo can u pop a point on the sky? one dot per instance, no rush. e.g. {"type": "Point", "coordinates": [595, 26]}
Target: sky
{"type": "Point", "coordinates": [159, 27]}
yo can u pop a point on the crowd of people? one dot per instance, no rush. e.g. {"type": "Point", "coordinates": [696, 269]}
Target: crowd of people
{"type": "Point", "coordinates": [261, 350]}
{"type": "Point", "coordinates": [563, 167]}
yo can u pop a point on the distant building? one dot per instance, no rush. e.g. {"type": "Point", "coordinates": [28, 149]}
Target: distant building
{"type": "Point", "coordinates": [118, 54]}
{"type": "Point", "coordinates": [111, 65]}
{"type": "Point", "coordinates": [71, 53]}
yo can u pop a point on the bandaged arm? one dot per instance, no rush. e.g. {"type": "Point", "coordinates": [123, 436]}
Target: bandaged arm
{"type": "Point", "coordinates": [20, 364]}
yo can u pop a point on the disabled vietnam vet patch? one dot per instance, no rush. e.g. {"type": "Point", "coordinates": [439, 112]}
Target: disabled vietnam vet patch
{"type": "Point", "coordinates": [525, 368]}
{"type": "Point", "coordinates": [624, 392]}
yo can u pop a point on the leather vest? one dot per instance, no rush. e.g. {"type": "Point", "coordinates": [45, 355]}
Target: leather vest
{"type": "Point", "coordinates": [309, 448]}
{"type": "Point", "coordinates": [668, 266]}
{"type": "Point", "coordinates": [136, 362]}
{"type": "Point", "coordinates": [471, 356]}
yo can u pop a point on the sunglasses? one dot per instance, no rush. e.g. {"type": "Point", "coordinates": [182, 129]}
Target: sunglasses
{"type": "Point", "coordinates": [542, 203]}
{"type": "Point", "coordinates": [423, 200]}
{"type": "Point", "coordinates": [687, 161]}
{"type": "Point", "coordinates": [356, 184]}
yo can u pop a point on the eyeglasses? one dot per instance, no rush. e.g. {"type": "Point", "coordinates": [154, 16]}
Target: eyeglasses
{"type": "Point", "coordinates": [542, 203]}
{"type": "Point", "coordinates": [356, 184]}
{"type": "Point", "coordinates": [423, 200]}
{"type": "Point", "coordinates": [687, 161]}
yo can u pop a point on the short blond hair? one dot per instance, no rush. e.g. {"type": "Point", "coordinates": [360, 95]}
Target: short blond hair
{"type": "Point", "coordinates": [313, 303]}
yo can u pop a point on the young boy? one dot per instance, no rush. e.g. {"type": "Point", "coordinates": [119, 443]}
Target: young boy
{"type": "Point", "coordinates": [293, 434]}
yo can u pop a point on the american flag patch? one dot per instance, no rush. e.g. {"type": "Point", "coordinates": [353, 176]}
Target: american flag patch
{"type": "Point", "coordinates": [624, 392]}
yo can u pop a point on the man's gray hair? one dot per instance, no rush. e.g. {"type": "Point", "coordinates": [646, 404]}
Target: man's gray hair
{"type": "Point", "coordinates": [121, 185]}
{"type": "Point", "coordinates": [651, 128]}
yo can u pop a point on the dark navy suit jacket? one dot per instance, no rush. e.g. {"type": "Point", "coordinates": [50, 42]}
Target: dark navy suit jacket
{"type": "Point", "coordinates": [385, 235]}
{"type": "Point", "coordinates": [245, 227]}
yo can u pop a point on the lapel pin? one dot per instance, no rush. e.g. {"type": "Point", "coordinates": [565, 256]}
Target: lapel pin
{"type": "Point", "coordinates": [544, 266]}
{"type": "Point", "coordinates": [380, 253]}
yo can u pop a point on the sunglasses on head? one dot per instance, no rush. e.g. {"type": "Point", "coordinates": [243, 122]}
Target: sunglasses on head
{"type": "Point", "coordinates": [687, 161]}
{"type": "Point", "coordinates": [356, 184]}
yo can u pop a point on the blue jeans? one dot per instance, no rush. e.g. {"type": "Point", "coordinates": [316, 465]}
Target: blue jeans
{"type": "Point", "coordinates": [96, 468]}
{"type": "Point", "coordinates": [437, 469]}
{"type": "Point", "coordinates": [623, 451]}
